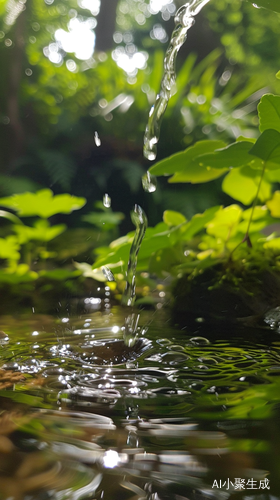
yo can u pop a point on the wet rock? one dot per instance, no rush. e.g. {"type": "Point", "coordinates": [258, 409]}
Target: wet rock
{"type": "Point", "coordinates": [207, 298]}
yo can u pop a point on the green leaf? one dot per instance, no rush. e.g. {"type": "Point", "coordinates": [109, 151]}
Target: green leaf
{"type": "Point", "coordinates": [273, 244]}
{"type": "Point", "coordinates": [233, 156]}
{"type": "Point", "coordinates": [199, 222]}
{"type": "Point", "coordinates": [269, 112]}
{"type": "Point", "coordinates": [88, 272]}
{"type": "Point", "coordinates": [242, 185]}
{"type": "Point", "coordinates": [259, 212]}
{"type": "Point", "coordinates": [225, 222]}
{"type": "Point", "coordinates": [21, 274]}
{"type": "Point", "coordinates": [272, 175]}
{"type": "Point", "coordinates": [172, 218]}
{"type": "Point", "coordinates": [197, 174]}
{"type": "Point", "coordinates": [274, 204]}
{"type": "Point", "coordinates": [9, 248]}
{"type": "Point", "coordinates": [267, 148]}
{"type": "Point", "coordinates": [267, 4]}
{"type": "Point", "coordinates": [182, 161]}
{"type": "Point", "coordinates": [43, 203]}
{"type": "Point", "coordinates": [41, 231]}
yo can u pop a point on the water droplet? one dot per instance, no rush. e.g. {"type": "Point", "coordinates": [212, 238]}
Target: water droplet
{"type": "Point", "coordinates": [97, 139]}
{"type": "Point", "coordinates": [149, 183]}
{"type": "Point", "coordinates": [183, 22]}
{"type": "Point", "coordinates": [108, 273]}
{"type": "Point", "coordinates": [106, 200]}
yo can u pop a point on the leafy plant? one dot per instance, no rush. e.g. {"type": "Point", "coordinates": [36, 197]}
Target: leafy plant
{"type": "Point", "coordinates": [231, 235]}
{"type": "Point", "coordinates": [28, 244]}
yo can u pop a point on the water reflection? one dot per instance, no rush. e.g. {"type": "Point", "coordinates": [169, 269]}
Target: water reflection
{"type": "Point", "coordinates": [84, 415]}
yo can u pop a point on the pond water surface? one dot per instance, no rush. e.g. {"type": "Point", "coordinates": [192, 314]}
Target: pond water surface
{"type": "Point", "coordinates": [173, 414]}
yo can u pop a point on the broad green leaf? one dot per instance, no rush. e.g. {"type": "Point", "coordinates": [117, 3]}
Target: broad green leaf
{"type": "Point", "coordinates": [242, 185]}
{"type": "Point", "coordinates": [242, 138]}
{"type": "Point", "coordinates": [233, 156]}
{"type": "Point", "coordinates": [9, 248]}
{"type": "Point", "coordinates": [199, 222]}
{"type": "Point", "coordinates": [269, 112]}
{"type": "Point", "coordinates": [181, 161]}
{"type": "Point", "coordinates": [43, 203]}
{"type": "Point", "coordinates": [260, 218]}
{"type": "Point", "coordinates": [21, 274]}
{"type": "Point", "coordinates": [172, 218]}
{"type": "Point", "coordinates": [273, 244]}
{"type": "Point", "coordinates": [88, 272]}
{"type": "Point", "coordinates": [197, 174]}
{"type": "Point", "coordinates": [259, 212]}
{"type": "Point", "coordinates": [267, 148]}
{"type": "Point", "coordinates": [274, 204]}
{"type": "Point", "coordinates": [225, 222]}
{"type": "Point", "coordinates": [41, 231]}
{"type": "Point", "coordinates": [267, 4]}
{"type": "Point", "coordinates": [272, 175]}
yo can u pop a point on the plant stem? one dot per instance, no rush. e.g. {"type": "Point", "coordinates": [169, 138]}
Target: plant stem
{"type": "Point", "coordinates": [246, 237]}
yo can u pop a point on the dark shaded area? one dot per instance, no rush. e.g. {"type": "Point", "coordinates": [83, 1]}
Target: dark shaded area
{"type": "Point", "coordinates": [106, 23]}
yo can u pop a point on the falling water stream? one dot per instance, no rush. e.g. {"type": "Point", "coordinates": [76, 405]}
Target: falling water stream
{"type": "Point", "coordinates": [184, 20]}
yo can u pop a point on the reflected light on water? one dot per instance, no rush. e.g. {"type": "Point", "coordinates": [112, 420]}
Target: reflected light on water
{"type": "Point", "coordinates": [110, 459]}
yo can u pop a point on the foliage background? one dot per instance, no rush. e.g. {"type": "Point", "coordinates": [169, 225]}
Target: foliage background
{"type": "Point", "coordinates": [57, 100]}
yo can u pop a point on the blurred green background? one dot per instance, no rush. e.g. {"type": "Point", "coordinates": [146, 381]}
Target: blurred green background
{"type": "Point", "coordinates": [78, 78]}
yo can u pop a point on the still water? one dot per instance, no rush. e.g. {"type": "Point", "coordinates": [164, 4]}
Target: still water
{"type": "Point", "coordinates": [177, 414]}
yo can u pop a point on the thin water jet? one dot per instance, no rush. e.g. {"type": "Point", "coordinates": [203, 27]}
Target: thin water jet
{"type": "Point", "coordinates": [184, 20]}
{"type": "Point", "coordinates": [139, 219]}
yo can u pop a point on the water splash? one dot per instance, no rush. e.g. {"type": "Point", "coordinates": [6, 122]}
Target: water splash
{"type": "Point", "coordinates": [131, 329]}
{"type": "Point", "coordinates": [149, 182]}
{"type": "Point", "coordinates": [106, 200]}
{"type": "Point", "coordinates": [184, 20]}
{"type": "Point", "coordinates": [139, 219]}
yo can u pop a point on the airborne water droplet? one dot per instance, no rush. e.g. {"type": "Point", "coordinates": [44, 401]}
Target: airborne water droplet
{"type": "Point", "coordinates": [108, 273]}
{"type": "Point", "coordinates": [97, 139]}
{"type": "Point", "coordinates": [106, 200]}
{"type": "Point", "coordinates": [149, 182]}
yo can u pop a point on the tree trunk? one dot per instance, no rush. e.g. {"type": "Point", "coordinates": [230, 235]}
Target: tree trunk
{"type": "Point", "coordinates": [106, 23]}
{"type": "Point", "coordinates": [16, 130]}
